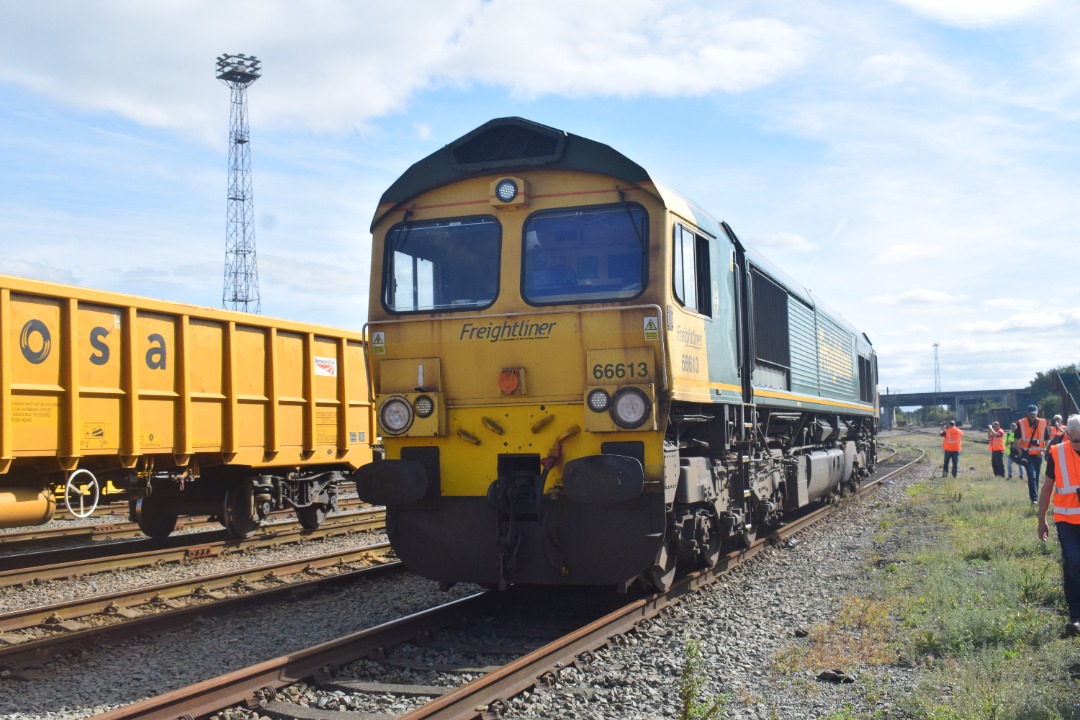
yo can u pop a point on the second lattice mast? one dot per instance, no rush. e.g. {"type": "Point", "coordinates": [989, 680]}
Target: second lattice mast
{"type": "Point", "coordinates": [241, 269]}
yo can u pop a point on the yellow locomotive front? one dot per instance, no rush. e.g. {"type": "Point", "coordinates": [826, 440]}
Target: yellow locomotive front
{"type": "Point", "coordinates": [517, 362]}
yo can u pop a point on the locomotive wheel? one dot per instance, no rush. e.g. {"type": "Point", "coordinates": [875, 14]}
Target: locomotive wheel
{"type": "Point", "coordinates": [709, 542]}
{"type": "Point", "coordinates": [154, 517]}
{"type": "Point", "coordinates": [312, 516]}
{"type": "Point", "coordinates": [236, 513]}
{"type": "Point", "coordinates": [75, 496]}
{"type": "Point", "coordinates": [662, 572]}
{"type": "Point", "coordinates": [747, 537]}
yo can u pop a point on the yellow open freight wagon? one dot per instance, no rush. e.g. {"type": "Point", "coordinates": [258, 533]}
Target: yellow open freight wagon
{"type": "Point", "coordinates": [192, 410]}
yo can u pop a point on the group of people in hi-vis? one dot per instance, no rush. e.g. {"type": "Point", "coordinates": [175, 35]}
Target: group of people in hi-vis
{"type": "Point", "coordinates": [1029, 442]}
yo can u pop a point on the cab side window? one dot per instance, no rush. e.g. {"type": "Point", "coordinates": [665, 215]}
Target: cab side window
{"type": "Point", "coordinates": [691, 281]}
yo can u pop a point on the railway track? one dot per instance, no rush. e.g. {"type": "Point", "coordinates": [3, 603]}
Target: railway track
{"type": "Point", "coordinates": [34, 538]}
{"type": "Point", "coordinates": [30, 568]}
{"type": "Point", "coordinates": [479, 691]}
{"type": "Point", "coordinates": [32, 636]}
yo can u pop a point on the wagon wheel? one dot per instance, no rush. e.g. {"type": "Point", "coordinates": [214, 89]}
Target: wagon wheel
{"type": "Point", "coordinates": [79, 493]}
{"type": "Point", "coordinates": [237, 516]}
{"type": "Point", "coordinates": [154, 517]}
{"type": "Point", "coordinates": [662, 572]}
{"type": "Point", "coordinates": [313, 516]}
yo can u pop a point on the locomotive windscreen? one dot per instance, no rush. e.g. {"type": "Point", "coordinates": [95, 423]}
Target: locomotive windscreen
{"type": "Point", "coordinates": [585, 254]}
{"type": "Point", "coordinates": [441, 265]}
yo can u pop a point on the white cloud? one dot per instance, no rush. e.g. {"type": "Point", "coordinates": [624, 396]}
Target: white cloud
{"type": "Point", "coordinates": [1025, 322]}
{"type": "Point", "coordinates": [784, 241]}
{"type": "Point", "coordinates": [973, 13]}
{"type": "Point", "coordinates": [639, 47]}
{"type": "Point", "coordinates": [1002, 302]}
{"type": "Point", "coordinates": [906, 253]}
{"type": "Point", "coordinates": [918, 297]}
{"type": "Point", "coordinates": [335, 69]}
{"type": "Point", "coordinates": [883, 71]}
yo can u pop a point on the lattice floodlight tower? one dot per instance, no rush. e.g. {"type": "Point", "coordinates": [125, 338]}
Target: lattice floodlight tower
{"type": "Point", "coordinates": [241, 270]}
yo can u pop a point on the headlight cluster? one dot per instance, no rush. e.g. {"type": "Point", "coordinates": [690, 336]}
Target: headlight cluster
{"type": "Point", "coordinates": [629, 407]}
{"type": "Point", "coordinates": [396, 414]}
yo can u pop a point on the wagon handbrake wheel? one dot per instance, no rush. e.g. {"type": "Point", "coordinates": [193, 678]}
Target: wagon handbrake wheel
{"type": "Point", "coordinates": [93, 489]}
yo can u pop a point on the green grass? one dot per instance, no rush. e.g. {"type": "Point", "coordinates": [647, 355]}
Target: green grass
{"type": "Point", "coordinates": [971, 596]}
{"type": "Point", "coordinates": [691, 684]}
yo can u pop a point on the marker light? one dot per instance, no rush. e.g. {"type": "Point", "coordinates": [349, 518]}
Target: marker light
{"type": "Point", "coordinates": [599, 400]}
{"type": "Point", "coordinates": [506, 190]}
{"type": "Point", "coordinates": [424, 406]}
{"type": "Point", "coordinates": [395, 415]}
{"type": "Point", "coordinates": [629, 407]}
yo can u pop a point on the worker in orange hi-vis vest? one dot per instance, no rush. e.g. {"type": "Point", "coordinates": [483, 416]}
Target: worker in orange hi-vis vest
{"type": "Point", "coordinates": [1062, 485]}
{"type": "Point", "coordinates": [996, 436]}
{"type": "Point", "coordinates": [951, 446]}
{"type": "Point", "coordinates": [1056, 429]}
{"type": "Point", "coordinates": [1033, 436]}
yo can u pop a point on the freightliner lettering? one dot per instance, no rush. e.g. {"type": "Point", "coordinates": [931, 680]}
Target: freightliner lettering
{"type": "Point", "coordinates": [507, 330]}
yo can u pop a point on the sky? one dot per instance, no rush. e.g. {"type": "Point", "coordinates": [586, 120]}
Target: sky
{"type": "Point", "coordinates": [914, 163]}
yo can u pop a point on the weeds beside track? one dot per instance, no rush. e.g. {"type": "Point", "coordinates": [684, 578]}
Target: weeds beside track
{"type": "Point", "coordinates": [963, 590]}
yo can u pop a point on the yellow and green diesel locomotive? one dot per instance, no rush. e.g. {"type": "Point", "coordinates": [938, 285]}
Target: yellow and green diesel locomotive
{"type": "Point", "coordinates": [581, 377]}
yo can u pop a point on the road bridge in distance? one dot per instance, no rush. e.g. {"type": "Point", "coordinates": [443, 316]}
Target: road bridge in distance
{"type": "Point", "coordinates": [960, 401]}
{"type": "Point", "coordinates": [1010, 403]}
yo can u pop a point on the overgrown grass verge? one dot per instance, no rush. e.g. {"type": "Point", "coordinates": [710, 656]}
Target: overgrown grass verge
{"type": "Point", "coordinates": [966, 594]}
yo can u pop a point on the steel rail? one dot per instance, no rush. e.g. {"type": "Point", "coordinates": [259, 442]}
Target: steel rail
{"type": "Point", "coordinates": [39, 650]}
{"type": "Point", "coordinates": [125, 529]}
{"type": "Point", "coordinates": [112, 602]}
{"type": "Point", "coordinates": [363, 521]}
{"type": "Point", "coordinates": [258, 682]}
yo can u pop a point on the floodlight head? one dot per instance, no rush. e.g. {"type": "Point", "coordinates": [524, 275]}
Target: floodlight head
{"type": "Point", "coordinates": [238, 69]}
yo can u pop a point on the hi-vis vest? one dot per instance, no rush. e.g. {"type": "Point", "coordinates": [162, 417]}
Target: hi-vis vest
{"type": "Point", "coordinates": [1055, 431]}
{"type": "Point", "coordinates": [1066, 482]}
{"type": "Point", "coordinates": [952, 439]}
{"type": "Point", "coordinates": [997, 441]}
{"type": "Point", "coordinates": [1032, 442]}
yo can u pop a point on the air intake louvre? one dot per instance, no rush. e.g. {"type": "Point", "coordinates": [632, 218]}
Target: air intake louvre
{"type": "Point", "coordinates": [507, 145]}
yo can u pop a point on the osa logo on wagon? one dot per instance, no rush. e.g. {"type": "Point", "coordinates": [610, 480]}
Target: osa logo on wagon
{"type": "Point", "coordinates": [35, 342]}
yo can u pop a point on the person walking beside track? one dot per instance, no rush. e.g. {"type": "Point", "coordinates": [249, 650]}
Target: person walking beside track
{"type": "Point", "coordinates": [996, 436]}
{"type": "Point", "coordinates": [1014, 457]}
{"type": "Point", "coordinates": [1062, 485]}
{"type": "Point", "coordinates": [1033, 437]}
{"type": "Point", "coordinates": [951, 446]}
{"type": "Point", "coordinates": [1056, 429]}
